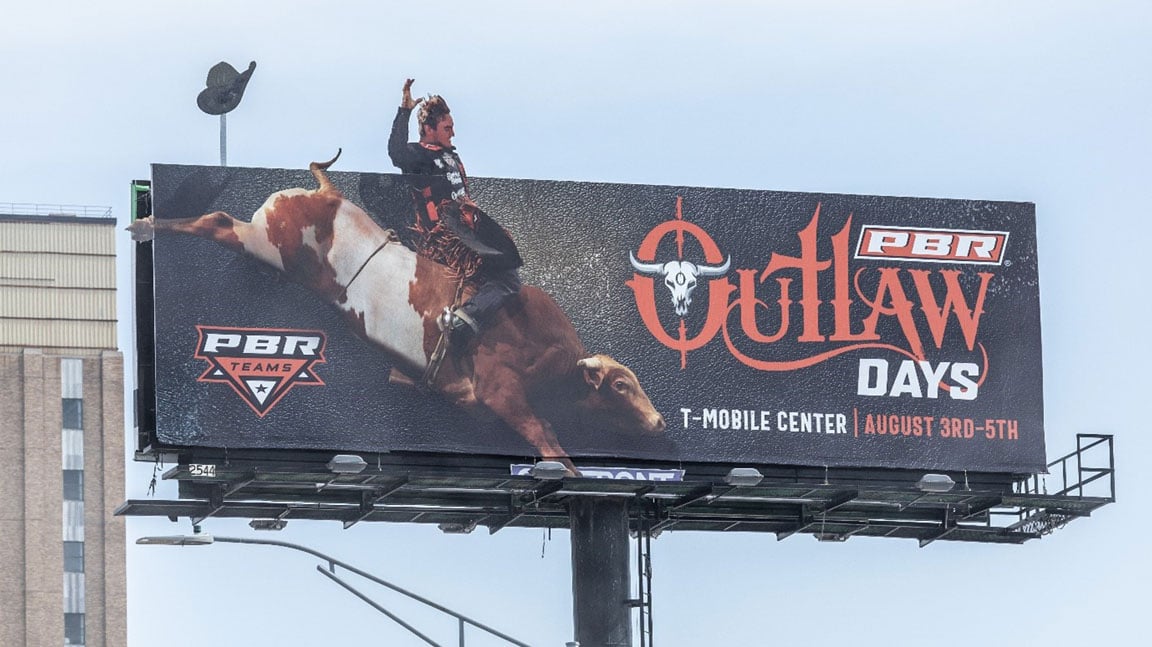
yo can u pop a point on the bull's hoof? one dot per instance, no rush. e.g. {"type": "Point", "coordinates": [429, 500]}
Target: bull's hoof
{"type": "Point", "coordinates": [396, 377]}
{"type": "Point", "coordinates": [143, 229]}
{"type": "Point", "coordinates": [571, 467]}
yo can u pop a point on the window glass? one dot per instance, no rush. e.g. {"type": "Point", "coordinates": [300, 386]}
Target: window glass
{"type": "Point", "coordinates": [73, 557]}
{"type": "Point", "coordinates": [73, 413]}
{"type": "Point", "coordinates": [73, 485]}
{"type": "Point", "coordinates": [73, 628]}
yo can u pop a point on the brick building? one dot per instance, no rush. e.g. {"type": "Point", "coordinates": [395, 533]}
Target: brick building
{"type": "Point", "coordinates": [62, 553]}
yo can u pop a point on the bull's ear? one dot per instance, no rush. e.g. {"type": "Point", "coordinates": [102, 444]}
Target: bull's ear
{"type": "Point", "coordinates": [594, 371]}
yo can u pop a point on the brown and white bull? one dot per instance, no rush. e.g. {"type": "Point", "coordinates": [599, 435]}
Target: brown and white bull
{"type": "Point", "coordinates": [527, 367]}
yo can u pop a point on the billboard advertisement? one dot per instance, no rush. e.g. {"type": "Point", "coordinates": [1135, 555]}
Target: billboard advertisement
{"type": "Point", "coordinates": [302, 310]}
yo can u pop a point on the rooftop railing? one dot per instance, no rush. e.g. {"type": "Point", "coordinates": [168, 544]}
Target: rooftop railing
{"type": "Point", "coordinates": [34, 209]}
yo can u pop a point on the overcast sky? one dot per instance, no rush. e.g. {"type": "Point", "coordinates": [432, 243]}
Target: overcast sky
{"type": "Point", "coordinates": [1043, 102]}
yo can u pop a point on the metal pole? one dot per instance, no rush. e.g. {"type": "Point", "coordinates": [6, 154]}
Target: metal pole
{"type": "Point", "coordinates": [640, 584]}
{"type": "Point", "coordinates": [224, 139]}
{"type": "Point", "coordinates": [368, 576]}
{"type": "Point", "coordinates": [600, 575]}
{"type": "Point", "coordinates": [395, 618]}
{"type": "Point", "coordinates": [647, 537]}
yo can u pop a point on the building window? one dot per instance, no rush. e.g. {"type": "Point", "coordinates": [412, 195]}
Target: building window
{"type": "Point", "coordinates": [73, 485]}
{"type": "Point", "coordinates": [73, 413]}
{"type": "Point", "coordinates": [72, 464]}
{"type": "Point", "coordinates": [73, 628]}
{"type": "Point", "coordinates": [73, 557]}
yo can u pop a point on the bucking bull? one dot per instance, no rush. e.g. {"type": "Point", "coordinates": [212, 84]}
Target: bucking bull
{"type": "Point", "coordinates": [527, 368]}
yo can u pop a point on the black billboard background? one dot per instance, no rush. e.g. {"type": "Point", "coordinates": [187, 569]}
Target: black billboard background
{"type": "Point", "coordinates": [576, 239]}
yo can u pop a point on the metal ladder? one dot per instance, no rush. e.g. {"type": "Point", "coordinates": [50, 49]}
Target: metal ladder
{"type": "Point", "coordinates": [643, 600]}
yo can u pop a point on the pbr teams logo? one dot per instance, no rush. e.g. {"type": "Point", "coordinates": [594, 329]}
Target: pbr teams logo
{"type": "Point", "coordinates": [260, 364]}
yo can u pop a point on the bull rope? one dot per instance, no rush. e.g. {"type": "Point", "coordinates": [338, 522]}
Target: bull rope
{"type": "Point", "coordinates": [389, 237]}
{"type": "Point", "coordinates": [437, 358]}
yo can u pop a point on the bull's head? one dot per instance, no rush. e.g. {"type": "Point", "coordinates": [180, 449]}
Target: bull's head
{"type": "Point", "coordinates": [617, 400]}
{"type": "Point", "coordinates": [680, 277]}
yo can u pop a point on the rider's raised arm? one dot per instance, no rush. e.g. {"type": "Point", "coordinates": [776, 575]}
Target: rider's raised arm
{"type": "Point", "coordinates": [398, 148]}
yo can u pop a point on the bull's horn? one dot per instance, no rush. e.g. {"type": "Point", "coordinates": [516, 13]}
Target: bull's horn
{"type": "Point", "coordinates": [645, 268]}
{"type": "Point", "coordinates": [592, 363]}
{"type": "Point", "coordinates": [594, 371]}
{"type": "Point", "coordinates": [706, 270]}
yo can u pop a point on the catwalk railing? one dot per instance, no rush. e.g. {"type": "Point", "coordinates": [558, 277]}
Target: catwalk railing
{"type": "Point", "coordinates": [36, 209]}
{"type": "Point", "coordinates": [1089, 473]}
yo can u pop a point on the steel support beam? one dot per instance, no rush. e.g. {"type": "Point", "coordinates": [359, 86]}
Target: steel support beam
{"type": "Point", "coordinates": [601, 587]}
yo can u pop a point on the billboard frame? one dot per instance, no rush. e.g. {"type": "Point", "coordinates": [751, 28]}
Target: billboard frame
{"type": "Point", "coordinates": [147, 349]}
{"type": "Point", "coordinates": [459, 495]}
{"type": "Point", "coordinates": [460, 492]}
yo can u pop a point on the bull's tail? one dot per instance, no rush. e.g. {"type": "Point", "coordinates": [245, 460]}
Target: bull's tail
{"type": "Point", "coordinates": [318, 169]}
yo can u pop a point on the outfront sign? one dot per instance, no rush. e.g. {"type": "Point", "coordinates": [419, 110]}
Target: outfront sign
{"type": "Point", "coordinates": [677, 324]}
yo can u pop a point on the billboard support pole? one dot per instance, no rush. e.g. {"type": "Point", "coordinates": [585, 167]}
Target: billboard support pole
{"type": "Point", "coordinates": [601, 587]}
{"type": "Point", "coordinates": [224, 140]}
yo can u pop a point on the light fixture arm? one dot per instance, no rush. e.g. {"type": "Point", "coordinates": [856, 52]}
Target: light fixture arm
{"type": "Point", "coordinates": [332, 564]}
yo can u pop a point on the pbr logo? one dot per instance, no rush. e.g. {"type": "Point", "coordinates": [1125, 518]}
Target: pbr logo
{"type": "Point", "coordinates": [932, 245]}
{"type": "Point", "coordinates": [260, 364]}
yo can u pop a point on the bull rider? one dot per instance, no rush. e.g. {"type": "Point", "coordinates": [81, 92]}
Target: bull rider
{"type": "Point", "coordinates": [455, 231]}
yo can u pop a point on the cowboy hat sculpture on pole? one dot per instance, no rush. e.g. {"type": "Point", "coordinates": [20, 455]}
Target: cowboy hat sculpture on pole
{"type": "Point", "coordinates": [225, 88]}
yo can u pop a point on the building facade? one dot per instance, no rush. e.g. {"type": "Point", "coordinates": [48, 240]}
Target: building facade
{"type": "Point", "coordinates": [62, 552]}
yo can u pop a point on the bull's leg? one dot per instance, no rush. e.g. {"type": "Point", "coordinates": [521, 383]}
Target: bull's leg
{"type": "Point", "coordinates": [511, 405]}
{"type": "Point", "coordinates": [218, 227]}
{"type": "Point", "coordinates": [540, 435]}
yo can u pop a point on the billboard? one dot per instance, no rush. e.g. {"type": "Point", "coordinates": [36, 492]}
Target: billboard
{"type": "Point", "coordinates": [676, 324]}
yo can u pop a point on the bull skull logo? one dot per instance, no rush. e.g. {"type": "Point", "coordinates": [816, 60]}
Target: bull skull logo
{"type": "Point", "coordinates": [680, 277]}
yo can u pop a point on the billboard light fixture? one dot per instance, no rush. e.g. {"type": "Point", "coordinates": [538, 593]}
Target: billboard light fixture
{"type": "Point", "coordinates": [743, 477]}
{"type": "Point", "coordinates": [935, 483]}
{"type": "Point", "coordinates": [268, 524]}
{"type": "Point", "coordinates": [548, 471]}
{"type": "Point", "coordinates": [198, 539]}
{"type": "Point", "coordinates": [456, 528]}
{"type": "Point", "coordinates": [346, 464]}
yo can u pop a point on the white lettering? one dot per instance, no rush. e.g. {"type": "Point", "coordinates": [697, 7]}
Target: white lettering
{"type": "Point", "coordinates": [216, 341]}
{"type": "Point", "coordinates": [981, 245]}
{"type": "Point", "coordinates": [873, 377]}
{"type": "Point", "coordinates": [262, 344]}
{"type": "Point", "coordinates": [931, 244]}
{"type": "Point", "coordinates": [294, 345]}
{"type": "Point", "coordinates": [962, 374]}
{"type": "Point", "coordinates": [934, 376]}
{"type": "Point", "coordinates": [906, 381]}
{"type": "Point", "coordinates": [878, 241]}
{"type": "Point", "coordinates": [709, 419]}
